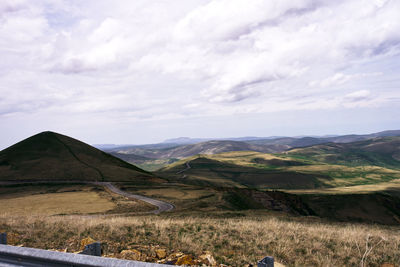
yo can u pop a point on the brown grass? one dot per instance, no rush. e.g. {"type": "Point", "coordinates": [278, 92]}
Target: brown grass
{"type": "Point", "coordinates": [56, 203]}
{"type": "Point", "coordinates": [65, 199]}
{"type": "Point", "coordinates": [173, 193]}
{"type": "Point", "coordinates": [234, 241]}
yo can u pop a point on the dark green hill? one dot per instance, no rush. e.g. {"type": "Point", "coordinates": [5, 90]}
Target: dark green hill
{"type": "Point", "coordinates": [382, 151]}
{"type": "Point", "coordinates": [52, 156]}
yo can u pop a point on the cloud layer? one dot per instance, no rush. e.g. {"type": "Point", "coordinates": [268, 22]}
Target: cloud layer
{"type": "Point", "coordinates": [141, 60]}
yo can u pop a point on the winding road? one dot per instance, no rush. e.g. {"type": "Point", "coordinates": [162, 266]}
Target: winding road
{"type": "Point", "coordinates": [187, 167]}
{"type": "Point", "coordinates": [162, 206]}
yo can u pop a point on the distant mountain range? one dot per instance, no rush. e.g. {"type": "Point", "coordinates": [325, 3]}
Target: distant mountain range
{"type": "Point", "coordinates": [188, 140]}
{"type": "Point", "coordinates": [186, 147]}
{"type": "Point", "coordinates": [208, 147]}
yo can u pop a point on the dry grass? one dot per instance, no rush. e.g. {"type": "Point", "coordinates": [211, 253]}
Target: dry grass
{"type": "Point", "coordinates": [174, 193]}
{"type": "Point", "coordinates": [65, 199]}
{"type": "Point", "coordinates": [357, 189]}
{"type": "Point", "coordinates": [233, 241]}
{"type": "Point", "coordinates": [56, 203]}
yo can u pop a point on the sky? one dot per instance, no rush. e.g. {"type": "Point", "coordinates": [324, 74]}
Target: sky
{"type": "Point", "coordinates": [134, 72]}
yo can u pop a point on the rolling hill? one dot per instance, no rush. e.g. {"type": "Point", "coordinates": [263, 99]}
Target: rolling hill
{"type": "Point", "coordinates": [215, 171]}
{"type": "Point", "coordinates": [381, 151]}
{"type": "Point", "coordinates": [328, 165]}
{"type": "Point", "coordinates": [52, 156]}
{"type": "Point", "coordinates": [154, 156]}
{"type": "Point", "coordinates": [209, 147]}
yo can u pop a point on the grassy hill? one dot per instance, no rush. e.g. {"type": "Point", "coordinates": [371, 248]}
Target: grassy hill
{"type": "Point", "coordinates": [320, 166]}
{"type": "Point", "coordinates": [365, 191]}
{"type": "Point", "coordinates": [384, 152]}
{"type": "Point", "coordinates": [294, 142]}
{"type": "Point", "coordinates": [217, 171]}
{"type": "Point", "coordinates": [154, 156]}
{"type": "Point", "coordinates": [52, 156]}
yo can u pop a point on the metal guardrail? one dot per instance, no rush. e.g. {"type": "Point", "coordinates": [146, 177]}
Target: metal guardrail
{"type": "Point", "coordinates": [12, 256]}
{"type": "Point", "coordinates": [3, 238]}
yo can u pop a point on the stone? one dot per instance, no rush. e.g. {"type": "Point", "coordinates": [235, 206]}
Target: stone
{"type": "Point", "coordinates": [207, 259]}
{"type": "Point", "coordinates": [185, 260]}
{"type": "Point", "coordinates": [86, 241]}
{"type": "Point", "coordinates": [173, 258]}
{"type": "Point", "coordinates": [131, 254]}
{"type": "Point", "coordinates": [161, 253]}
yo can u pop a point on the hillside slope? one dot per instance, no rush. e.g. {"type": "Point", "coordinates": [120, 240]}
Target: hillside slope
{"type": "Point", "coordinates": [209, 147]}
{"type": "Point", "coordinates": [52, 156]}
{"type": "Point", "coordinates": [328, 165]}
{"type": "Point", "coordinates": [208, 171]}
{"type": "Point", "coordinates": [295, 142]}
{"type": "Point", "coordinates": [382, 151]}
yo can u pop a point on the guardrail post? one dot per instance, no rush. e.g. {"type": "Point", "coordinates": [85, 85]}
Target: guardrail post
{"type": "Point", "coordinates": [266, 262]}
{"type": "Point", "coordinates": [93, 249]}
{"type": "Point", "coordinates": [3, 238]}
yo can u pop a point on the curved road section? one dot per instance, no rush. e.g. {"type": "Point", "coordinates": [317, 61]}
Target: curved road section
{"type": "Point", "coordinates": [162, 206]}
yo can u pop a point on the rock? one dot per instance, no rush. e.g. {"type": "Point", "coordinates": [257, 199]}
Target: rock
{"type": "Point", "coordinates": [172, 259]}
{"type": "Point", "coordinates": [85, 242]}
{"type": "Point", "coordinates": [131, 254]}
{"type": "Point", "coordinates": [161, 253]}
{"type": "Point", "coordinates": [207, 259]}
{"type": "Point", "coordinates": [175, 255]}
{"type": "Point", "coordinates": [185, 260]}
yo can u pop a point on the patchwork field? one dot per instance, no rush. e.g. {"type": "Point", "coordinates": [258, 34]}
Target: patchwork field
{"type": "Point", "coordinates": [278, 171]}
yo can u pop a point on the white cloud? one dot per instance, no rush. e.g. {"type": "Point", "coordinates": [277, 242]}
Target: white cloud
{"type": "Point", "coordinates": [341, 78]}
{"type": "Point", "coordinates": [358, 95]}
{"type": "Point", "coordinates": [219, 56]}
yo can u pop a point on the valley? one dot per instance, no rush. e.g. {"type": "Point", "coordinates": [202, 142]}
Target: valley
{"type": "Point", "coordinates": [351, 188]}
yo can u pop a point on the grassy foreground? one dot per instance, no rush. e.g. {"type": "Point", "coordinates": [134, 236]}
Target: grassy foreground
{"type": "Point", "coordinates": [239, 240]}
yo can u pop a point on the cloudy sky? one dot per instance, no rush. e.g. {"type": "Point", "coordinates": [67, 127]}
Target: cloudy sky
{"type": "Point", "coordinates": [143, 71]}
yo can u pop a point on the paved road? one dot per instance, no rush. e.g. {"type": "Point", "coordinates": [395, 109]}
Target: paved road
{"type": "Point", "coordinates": [162, 206]}
{"type": "Point", "coordinates": [187, 168]}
